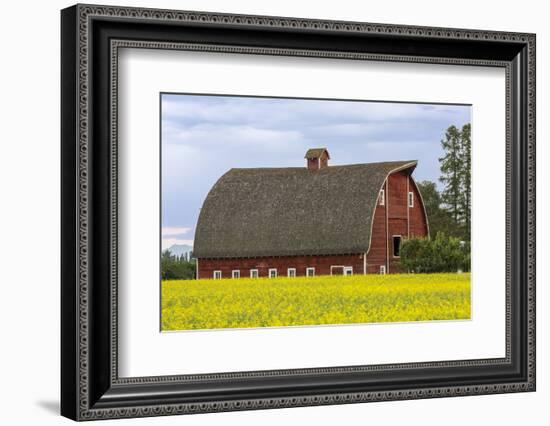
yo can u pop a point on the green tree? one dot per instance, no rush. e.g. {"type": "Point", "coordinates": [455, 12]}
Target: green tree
{"type": "Point", "coordinates": [466, 178]}
{"type": "Point", "coordinates": [455, 168]}
{"type": "Point", "coordinates": [439, 219]}
{"type": "Point", "coordinates": [440, 254]}
{"type": "Point", "coordinates": [451, 165]}
{"type": "Point", "coordinates": [177, 267]}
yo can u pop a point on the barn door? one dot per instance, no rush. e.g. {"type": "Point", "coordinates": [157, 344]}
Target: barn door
{"type": "Point", "coordinates": [341, 270]}
{"type": "Point", "coordinates": [336, 270]}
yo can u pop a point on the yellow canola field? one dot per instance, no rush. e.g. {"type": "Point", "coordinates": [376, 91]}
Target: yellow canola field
{"type": "Point", "coordinates": [282, 301]}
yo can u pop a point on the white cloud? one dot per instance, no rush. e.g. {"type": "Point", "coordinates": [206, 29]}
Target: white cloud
{"type": "Point", "coordinates": [225, 110]}
{"type": "Point", "coordinates": [292, 113]}
{"type": "Point", "coordinates": [169, 242]}
{"type": "Point", "coordinates": [209, 136]}
{"type": "Point", "coordinates": [171, 231]}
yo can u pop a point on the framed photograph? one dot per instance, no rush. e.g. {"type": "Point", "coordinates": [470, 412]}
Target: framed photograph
{"type": "Point", "coordinates": [263, 212]}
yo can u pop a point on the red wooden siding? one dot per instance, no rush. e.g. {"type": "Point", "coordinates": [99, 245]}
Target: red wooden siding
{"type": "Point", "coordinates": [321, 264]}
{"type": "Point", "coordinates": [312, 163]}
{"type": "Point", "coordinates": [378, 248]}
{"type": "Point", "coordinates": [395, 217]}
{"type": "Point", "coordinates": [316, 163]}
{"type": "Point", "coordinates": [324, 160]}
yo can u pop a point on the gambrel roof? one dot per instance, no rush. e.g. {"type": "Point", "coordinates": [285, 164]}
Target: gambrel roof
{"type": "Point", "coordinates": [291, 211]}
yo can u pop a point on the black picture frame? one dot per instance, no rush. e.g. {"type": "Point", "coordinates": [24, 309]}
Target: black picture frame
{"type": "Point", "coordinates": [90, 386]}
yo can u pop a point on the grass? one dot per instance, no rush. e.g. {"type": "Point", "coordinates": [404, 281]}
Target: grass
{"type": "Point", "coordinates": [282, 301]}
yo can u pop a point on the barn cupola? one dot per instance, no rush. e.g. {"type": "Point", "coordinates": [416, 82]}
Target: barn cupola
{"type": "Point", "coordinates": [317, 158]}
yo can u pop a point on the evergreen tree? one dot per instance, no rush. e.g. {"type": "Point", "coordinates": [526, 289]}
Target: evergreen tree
{"type": "Point", "coordinates": [456, 175]}
{"type": "Point", "coordinates": [466, 153]}
{"type": "Point", "coordinates": [451, 165]}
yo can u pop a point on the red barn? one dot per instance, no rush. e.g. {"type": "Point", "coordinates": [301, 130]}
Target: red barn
{"type": "Point", "coordinates": [315, 220]}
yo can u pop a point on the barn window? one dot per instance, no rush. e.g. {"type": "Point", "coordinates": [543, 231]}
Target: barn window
{"type": "Point", "coordinates": [382, 269]}
{"type": "Point", "coordinates": [272, 273]}
{"type": "Point", "coordinates": [253, 273]}
{"type": "Point", "coordinates": [348, 270]}
{"type": "Point", "coordinates": [310, 272]}
{"type": "Point", "coordinates": [396, 245]}
{"type": "Point", "coordinates": [411, 199]}
{"type": "Point", "coordinates": [291, 272]}
{"type": "Point", "coordinates": [217, 275]}
{"type": "Point", "coordinates": [236, 273]}
{"type": "Point", "coordinates": [382, 197]}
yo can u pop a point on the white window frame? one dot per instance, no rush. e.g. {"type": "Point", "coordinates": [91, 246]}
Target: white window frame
{"type": "Point", "coordinates": [217, 275]}
{"type": "Point", "coordinates": [252, 271]}
{"type": "Point", "coordinates": [270, 271]}
{"type": "Point", "coordinates": [382, 196]}
{"type": "Point", "coordinates": [382, 269]}
{"type": "Point", "coordinates": [392, 245]}
{"type": "Point", "coordinates": [348, 269]}
{"type": "Point", "coordinates": [236, 273]}
{"type": "Point", "coordinates": [308, 269]}
{"type": "Point", "coordinates": [288, 272]}
{"type": "Point", "coordinates": [410, 199]}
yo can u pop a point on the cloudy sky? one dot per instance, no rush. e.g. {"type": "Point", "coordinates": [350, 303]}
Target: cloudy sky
{"type": "Point", "coordinates": [204, 136]}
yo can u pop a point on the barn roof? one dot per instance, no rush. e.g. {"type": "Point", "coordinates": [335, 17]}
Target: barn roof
{"type": "Point", "coordinates": [291, 211]}
{"type": "Point", "coordinates": [316, 153]}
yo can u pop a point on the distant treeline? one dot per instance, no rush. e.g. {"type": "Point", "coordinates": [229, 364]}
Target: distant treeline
{"type": "Point", "coordinates": [177, 267]}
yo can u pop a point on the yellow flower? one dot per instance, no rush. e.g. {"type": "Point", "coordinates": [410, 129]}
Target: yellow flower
{"type": "Point", "coordinates": [282, 301]}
